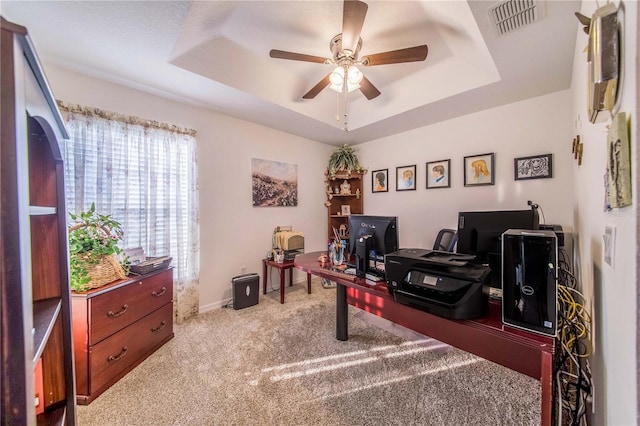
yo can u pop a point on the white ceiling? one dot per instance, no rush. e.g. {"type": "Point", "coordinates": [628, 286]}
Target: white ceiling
{"type": "Point", "coordinates": [215, 54]}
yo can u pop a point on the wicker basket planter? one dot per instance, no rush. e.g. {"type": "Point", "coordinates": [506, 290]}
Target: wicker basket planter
{"type": "Point", "coordinates": [105, 271]}
{"type": "Point", "coordinates": [93, 251]}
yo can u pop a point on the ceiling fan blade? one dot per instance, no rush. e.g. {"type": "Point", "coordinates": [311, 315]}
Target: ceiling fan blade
{"type": "Point", "coordinates": [317, 88]}
{"type": "Point", "coordinates": [353, 16]}
{"type": "Point", "coordinates": [410, 54]}
{"type": "Point", "coordinates": [368, 89]}
{"type": "Point", "coordinates": [281, 54]}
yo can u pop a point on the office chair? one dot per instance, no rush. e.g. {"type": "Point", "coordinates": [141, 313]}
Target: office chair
{"type": "Point", "coordinates": [446, 240]}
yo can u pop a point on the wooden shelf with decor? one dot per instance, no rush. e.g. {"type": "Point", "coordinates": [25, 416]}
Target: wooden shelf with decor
{"type": "Point", "coordinates": [348, 194]}
{"type": "Point", "coordinates": [37, 356]}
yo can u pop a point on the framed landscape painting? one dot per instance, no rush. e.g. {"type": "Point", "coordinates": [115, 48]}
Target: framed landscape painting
{"type": "Point", "coordinates": [274, 184]}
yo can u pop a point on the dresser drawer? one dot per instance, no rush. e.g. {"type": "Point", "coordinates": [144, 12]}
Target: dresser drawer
{"type": "Point", "coordinates": [112, 311]}
{"type": "Point", "coordinates": [112, 356]}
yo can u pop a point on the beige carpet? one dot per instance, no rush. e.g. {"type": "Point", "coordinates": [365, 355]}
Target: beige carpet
{"type": "Point", "coordinates": [273, 364]}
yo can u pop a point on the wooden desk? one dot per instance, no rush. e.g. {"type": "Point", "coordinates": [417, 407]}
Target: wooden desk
{"type": "Point", "coordinates": [282, 267]}
{"type": "Point", "coordinates": [487, 337]}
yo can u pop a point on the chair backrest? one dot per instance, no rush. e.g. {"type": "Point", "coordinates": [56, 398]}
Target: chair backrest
{"type": "Point", "coordinates": [446, 240]}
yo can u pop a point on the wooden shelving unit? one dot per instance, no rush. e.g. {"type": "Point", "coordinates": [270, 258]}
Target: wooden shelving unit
{"type": "Point", "coordinates": [336, 200]}
{"type": "Point", "coordinates": [35, 294]}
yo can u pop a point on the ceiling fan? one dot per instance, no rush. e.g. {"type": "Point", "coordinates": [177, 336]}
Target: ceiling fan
{"type": "Point", "coordinates": [345, 48]}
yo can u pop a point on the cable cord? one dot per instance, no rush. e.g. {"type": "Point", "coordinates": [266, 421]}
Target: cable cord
{"type": "Point", "coordinates": [572, 372]}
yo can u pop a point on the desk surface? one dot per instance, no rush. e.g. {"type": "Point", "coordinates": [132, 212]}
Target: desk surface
{"type": "Point", "coordinates": [434, 326]}
{"type": "Point", "coordinates": [519, 350]}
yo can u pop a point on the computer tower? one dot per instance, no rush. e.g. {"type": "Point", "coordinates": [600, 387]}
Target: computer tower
{"type": "Point", "coordinates": [246, 290]}
{"type": "Point", "coordinates": [530, 280]}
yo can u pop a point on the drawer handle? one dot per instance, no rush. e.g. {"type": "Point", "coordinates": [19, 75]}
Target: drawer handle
{"type": "Point", "coordinates": [112, 314]}
{"type": "Point", "coordinates": [163, 291]}
{"type": "Point", "coordinates": [160, 327]}
{"type": "Point", "coordinates": [122, 353]}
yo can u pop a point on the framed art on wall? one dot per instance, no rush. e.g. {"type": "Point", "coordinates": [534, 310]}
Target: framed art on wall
{"type": "Point", "coordinates": [379, 180]}
{"type": "Point", "coordinates": [406, 178]}
{"type": "Point", "coordinates": [438, 174]}
{"type": "Point", "coordinates": [274, 183]}
{"type": "Point", "coordinates": [534, 167]}
{"type": "Point", "coordinates": [479, 170]}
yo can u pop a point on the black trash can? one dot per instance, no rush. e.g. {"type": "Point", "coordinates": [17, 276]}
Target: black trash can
{"type": "Point", "coordinates": [246, 290]}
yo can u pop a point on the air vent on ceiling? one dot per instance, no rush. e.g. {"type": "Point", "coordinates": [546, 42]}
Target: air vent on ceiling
{"type": "Point", "coordinates": [513, 14]}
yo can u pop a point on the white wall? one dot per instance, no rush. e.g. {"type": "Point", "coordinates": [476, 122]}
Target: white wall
{"type": "Point", "coordinates": [611, 289]}
{"type": "Point", "coordinates": [233, 233]}
{"type": "Point", "coordinates": [536, 126]}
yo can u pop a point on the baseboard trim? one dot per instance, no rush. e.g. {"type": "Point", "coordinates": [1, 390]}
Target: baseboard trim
{"type": "Point", "coordinates": [211, 306]}
{"type": "Point", "coordinates": [228, 302]}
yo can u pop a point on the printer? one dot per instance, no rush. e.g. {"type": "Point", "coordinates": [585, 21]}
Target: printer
{"type": "Point", "coordinates": [442, 283]}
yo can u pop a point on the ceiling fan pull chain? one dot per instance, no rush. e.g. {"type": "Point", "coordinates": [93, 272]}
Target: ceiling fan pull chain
{"type": "Point", "coordinates": [346, 116]}
{"type": "Point", "coordinates": [337, 107]}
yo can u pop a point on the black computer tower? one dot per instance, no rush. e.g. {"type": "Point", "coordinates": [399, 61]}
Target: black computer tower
{"type": "Point", "coordinates": [530, 280]}
{"type": "Point", "coordinates": [246, 290]}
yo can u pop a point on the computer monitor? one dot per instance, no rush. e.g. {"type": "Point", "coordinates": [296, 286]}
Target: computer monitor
{"type": "Point", "coordinates": [479, 234]}
{"type": "Point", "coordinates": [370, 238]}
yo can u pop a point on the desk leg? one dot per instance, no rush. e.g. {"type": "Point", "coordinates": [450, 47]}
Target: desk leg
{"type": "Point", "coordinates": [546, 382]}
{"type": "Point", "coordinates": [264, 277]}
{"type": "Point", "coordinates": [308, 283]}
{"type": "Point", "coordinates": [281, 285]}
{"type": "Point", "coordinates": [290, 276]}
{"type": "Point", "coordinates": [342, 320]}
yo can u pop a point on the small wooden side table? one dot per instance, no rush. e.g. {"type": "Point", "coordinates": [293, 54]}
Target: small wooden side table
{"type": "Point", "coordinates": [282, 267]}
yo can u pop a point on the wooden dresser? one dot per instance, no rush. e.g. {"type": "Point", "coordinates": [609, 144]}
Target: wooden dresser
{"type": "Point", "coordinates": [118, 326]}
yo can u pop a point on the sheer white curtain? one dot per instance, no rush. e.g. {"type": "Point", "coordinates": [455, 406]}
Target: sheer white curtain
{"type": "Point", "coordinates": [145, 175]}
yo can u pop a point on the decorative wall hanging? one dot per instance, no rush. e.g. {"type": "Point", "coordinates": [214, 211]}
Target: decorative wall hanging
{"type": "Point", "coordinates": [380, 180]}
{"type": "Point", "coordinates": [438, 174]}
{"type": "Point", "coordinates": [406, 178]}
{"type": "Point", "coordinates": [479, 170]}
{"type": "Point", "coordinates": [603, 60]}
{"type": "Point", "coordinates": [534, 167]}
{"type": "Point", "coordinates": [274, 183]}
{"type": "Point", "coordinates": [618, 163]}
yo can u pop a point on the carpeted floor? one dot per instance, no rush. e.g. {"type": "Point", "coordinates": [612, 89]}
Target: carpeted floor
{"type": "Point", "coordinates": [274, 364]}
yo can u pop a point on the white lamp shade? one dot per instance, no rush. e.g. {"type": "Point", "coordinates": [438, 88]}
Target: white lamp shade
{"type": "Point", "coordinates": [354, 75]}
{"type": "Point", "coordinates": [337, 77]}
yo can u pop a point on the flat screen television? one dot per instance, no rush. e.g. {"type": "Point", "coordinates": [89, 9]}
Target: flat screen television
{"type": "Point", "coordinates": [370, 238]}
{"type": "Point", "coordinates": [479, 234]}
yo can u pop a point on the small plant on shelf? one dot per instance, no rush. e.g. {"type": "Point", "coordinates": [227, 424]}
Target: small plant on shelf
{"type": "Point", "coordinates": [344, 158]}
{"type": "Point", "coordinates": [93, 249]}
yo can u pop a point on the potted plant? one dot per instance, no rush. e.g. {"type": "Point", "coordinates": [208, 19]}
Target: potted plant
{"type": "Point", "coordinates": [344, 158]}
{"type": "Point", "coordinates": [93, 249]}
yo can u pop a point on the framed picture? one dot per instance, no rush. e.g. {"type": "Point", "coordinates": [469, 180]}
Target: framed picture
{"type": "Point", "coordinates": [274, 183]}
{"type": "Point", "coordinates": [345, 210]}
{"type": "Point", "coordinates": [380, 181]}
{"type": "Point", "coordinates": [406, 178]}
{"type": "Point", "coordinates": [479, 170]}
{"type": "Point", "coordinates": [438, 174]}
{"type": "Point", "coordinates": [534, 167]}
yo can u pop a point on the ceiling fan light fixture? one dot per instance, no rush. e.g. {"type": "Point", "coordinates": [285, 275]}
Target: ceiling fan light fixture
{"type": "Point", "coordinates": [337, 76]}
{"type": "Point", "coordinates": [354, 75]}
{"type": "Point", "coordinates": [337, 79]}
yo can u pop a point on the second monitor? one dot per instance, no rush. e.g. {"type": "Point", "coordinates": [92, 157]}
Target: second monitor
{"type": "Point", "coordinates": [370, 238]}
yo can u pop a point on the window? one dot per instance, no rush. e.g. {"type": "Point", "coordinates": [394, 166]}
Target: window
{"type": "Point", "coordinates": [142, 173]}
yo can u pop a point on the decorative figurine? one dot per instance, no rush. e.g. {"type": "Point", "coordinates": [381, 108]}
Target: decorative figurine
{"type": "Point", "coordinates": [345, 188]}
